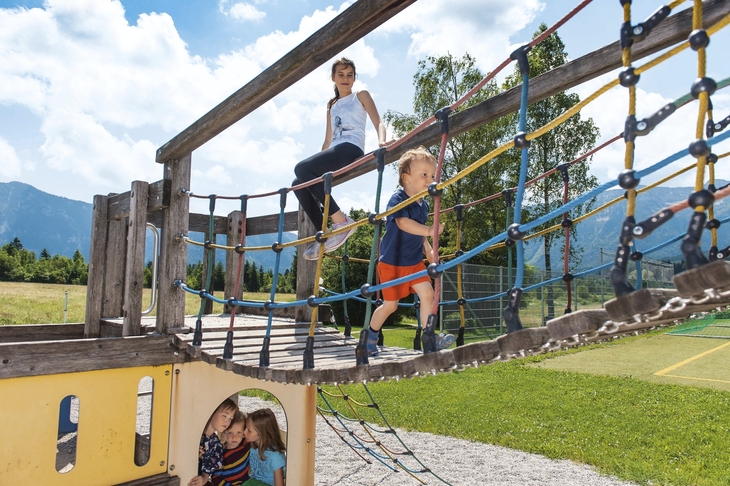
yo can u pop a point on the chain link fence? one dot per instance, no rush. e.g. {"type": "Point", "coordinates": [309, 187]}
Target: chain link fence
{"type": "Point", "coordinates": [483, 317]}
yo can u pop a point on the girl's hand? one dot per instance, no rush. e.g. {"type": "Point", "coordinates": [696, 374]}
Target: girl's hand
{"type": "Point", "coordinates": [196, 481]}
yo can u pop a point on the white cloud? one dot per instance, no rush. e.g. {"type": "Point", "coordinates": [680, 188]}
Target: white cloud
{"type": "Point", "coordinates": [241, 10]}
{"type": "Point", "coordinates": [9, 161]}
{"type": "Point", "coordinates": [481, 28]}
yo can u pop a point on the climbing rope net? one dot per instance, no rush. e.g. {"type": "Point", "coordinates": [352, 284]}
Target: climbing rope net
{"type": "Point", "coordinates": [707, 134]}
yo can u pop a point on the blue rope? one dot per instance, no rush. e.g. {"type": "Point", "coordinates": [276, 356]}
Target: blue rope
{"type": "Point", "coordinates": [275, 277]}
{"type": "Point", "coordinates": [520, 271]}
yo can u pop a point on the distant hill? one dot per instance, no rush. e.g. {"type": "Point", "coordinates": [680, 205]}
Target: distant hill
{"type": "Point", "coordinates": [62, 226]}
{"type": "Point", "coordinates": [602, 230]}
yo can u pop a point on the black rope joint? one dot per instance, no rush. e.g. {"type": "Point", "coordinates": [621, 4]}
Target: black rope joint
{"type": "Point", "coordinates": [417, 305]}
{"type": "Point", "coordinates": [433, 271]}
{"type": "Point", "coordinates": [380, 158]}
{"type": "Point", "coordinates": [636, 256]}
{"type": "Point", "coordinates": [201, 293]}
{"type": "Point", "coordinates": [567, 223]}
{"type": "Point", "coordinates": [702, 198]}
{"type": "Point", "coordinates": [520, 55]}
{"type": "Point", "coordinates": [617, 274]}
{"type": "Point", "coordinates": [629, 33]}
{"type": "Point", "coordinates": [627, 77]}
{"type": "Point", "coordinates": [461, 301]}
{"type": "Point", "coordinates": [365, 291]}
{"type": "Point", "coordinates": [207, 244]}
{"type": "Point", "coordinates": [345, 258]}
{"type": "Point", "coordinates": [568, 277]}
{"type": "Point", "coordinates": [713, 253]}
{"type": "Point", "coordinates": [198, 335]}
{"type": "Point", "coordinates": [627, 228]}
{"type": "Point", "coordinates": [521, 141]}
{"type": "Point", "coordinates": [372, 219]}
{"type": "Point", "coordinates": [228, 346]}
{"type": "Point", "coordinates": [693, 256]}
{"type": "Point", "coordinates": [714, 127]}
{"type": "Point", "coordinates": [514, 233]}
{"type": "Point", "coordinates": [428, 338]}
{"type": "Point", "coordinates": [310, 301]}
{"type": "Point", "coordinates": [458, 253]}
{"type": "Point", "coordinates": [433, 190]}
{"type": "Point", "coordinates": [264, 353]}
{"type": "Point", "coordinates": [378, 302]}
{"type": "Point", "coordinates": [507, 193]}
{"type": "Point", "coordinates": [320, 237]}
{"type": "Point", "coordinates": [645, 126]}
{"type": "Point", "coordinates": [713, 224]}
{"type": "Point", "coordinates": [308, 356]}
{"type": "Point", "coordinates": [703, 85]}
{"type": "Point", "coordinates": [563, 168]}
{"type": "Point", "coordinates": [244, 202]}
{"type": "Point", "coordinates": [211, 203]}
{"type": "Point", "coordinates": [459, 210]}
{"type": "Point", "coordinates": [646, 227]}
{"type": "Point", "coordinates": [231, 302]}
{"type": "Point", "coordinates": [509, 243]}
{"type": "Point", "coordinates": [276, 247]}
{"type": "Point", "coordinates": [511, 313]}
{"type": "Point", "coordinates": [267, 305]}
{"type": "Point", "coordinates": [282, 197]}
{"type": "Point", "coordinates": [630, 129]}
{"type": "Point", "coordinates": [361, 351]}
{"type": "Point", "coordinates": [722, 254]}
{"type": "Point", "coordinates": [239, 248]}
{"type": "Point", "coordinates": [443, 117]}
{"type": "Point", "coordinates": [627, 179]}
{"type": "Point", "coordinates": [327, 180]}
{"type": "Point", "coordinates": [698, 39]}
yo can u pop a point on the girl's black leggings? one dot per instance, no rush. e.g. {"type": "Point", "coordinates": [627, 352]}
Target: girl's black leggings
{"type": "Point", "coordinates": [312, 198]}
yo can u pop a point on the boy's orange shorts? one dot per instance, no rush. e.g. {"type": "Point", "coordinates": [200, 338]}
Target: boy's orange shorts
{"type": "Point", "coordinates": [388, 272]}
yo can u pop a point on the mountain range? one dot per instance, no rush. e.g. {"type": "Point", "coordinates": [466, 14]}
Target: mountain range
{"type": "Point", "coordinates": [62, 226]}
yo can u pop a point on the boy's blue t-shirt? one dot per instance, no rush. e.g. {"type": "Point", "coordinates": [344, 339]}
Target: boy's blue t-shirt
{"type": "Point", "coordinates": [263, 470]}
{"type": "Point", "coordinates": [397, 246]}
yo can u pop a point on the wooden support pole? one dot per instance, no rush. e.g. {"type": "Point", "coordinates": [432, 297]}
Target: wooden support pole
{"type": "Point", "coordinates": [134, 273]}
{"type": "Point", "coordinates": [305, 269]}
{"type": "Point", "coordinates": [234, 236]}
{"type": "Point", "coordinates": [173, 251]}
{"type": "Point", "coordinates": [116, 253]}
{"type": "Point", "coordinates": [97, 264]}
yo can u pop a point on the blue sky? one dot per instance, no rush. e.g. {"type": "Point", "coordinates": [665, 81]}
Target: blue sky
{"type": "Point", "coordinates": [89, 89]}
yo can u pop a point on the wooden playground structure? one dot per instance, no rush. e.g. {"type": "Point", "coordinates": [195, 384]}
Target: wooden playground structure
{"type": "Point", "coordinates": [101, 361]}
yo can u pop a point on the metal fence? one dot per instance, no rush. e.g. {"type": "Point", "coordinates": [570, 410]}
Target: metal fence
{"type": "Point", "coordinates": [483, 317]}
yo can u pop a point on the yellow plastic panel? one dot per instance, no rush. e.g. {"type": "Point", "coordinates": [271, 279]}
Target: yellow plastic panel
{"type": "Point", "coordinates": [106, 429]}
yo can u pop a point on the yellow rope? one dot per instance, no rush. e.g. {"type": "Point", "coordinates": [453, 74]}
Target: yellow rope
{"type": "Point", "coordinates": [674, 4]}
{"type": "Point", "coordinates": [726, 154]}
{"type": "Point", "coordinates": [318, 271]}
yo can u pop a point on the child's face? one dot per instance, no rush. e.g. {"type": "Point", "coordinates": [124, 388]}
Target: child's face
{"type": "Point", "coordinates": [222, 419]}
{"type": "Point", "coordinates": [234, 435]}
{"type": "Point", "coordinates": [251, 434]}
{"type": "Point", "coordinates": [344, 78]}
{"type": "Point", "coordinates": [422, 173]}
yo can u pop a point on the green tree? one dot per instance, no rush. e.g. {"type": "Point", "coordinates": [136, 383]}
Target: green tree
{"type": "Point", "coordinates": [439, 82]}
{"type": "Point", "coordinates": [45, 255]}
{"type": "Point", "coordinates": [561, 144]}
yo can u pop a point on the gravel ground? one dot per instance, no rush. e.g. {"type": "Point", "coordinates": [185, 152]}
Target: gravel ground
{"type": "Point", "coordinates": [456, 461]}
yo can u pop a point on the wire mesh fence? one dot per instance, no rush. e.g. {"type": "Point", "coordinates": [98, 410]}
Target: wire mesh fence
{"type": "Point", "coordinates": [484, 290]}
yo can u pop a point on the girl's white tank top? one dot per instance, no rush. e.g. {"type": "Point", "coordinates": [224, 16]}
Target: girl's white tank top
{"type": "Point", "coordinates": [348, 119]}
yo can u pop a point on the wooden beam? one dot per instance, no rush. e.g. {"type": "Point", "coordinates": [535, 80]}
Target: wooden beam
{"type": "Point", "coordinates": [97, 266]}
{"type": "Point", "coordinates": [173, 252]}
{"type": "Point", "coordinates": [345, 29]}
{"type": "Point", "coordinates": [53, 357]}
{"type": "Point", "coordinates": [158, 196]}
{"type": "Point", "coordinates": [134, 268]}
{"type": "Point", "coordinates": [673, 30]}
{"type": "Point", "coordinates": [257, 225]}
{"type": "Point", "coordinates": [40, 332]}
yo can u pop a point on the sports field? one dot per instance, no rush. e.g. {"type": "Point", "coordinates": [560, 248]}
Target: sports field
{"type": "Point", "coordinates": [681, 360]}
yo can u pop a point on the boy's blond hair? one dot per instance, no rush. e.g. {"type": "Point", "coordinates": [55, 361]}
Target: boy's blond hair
{"type": "Point", "coordinates": [404, 164]}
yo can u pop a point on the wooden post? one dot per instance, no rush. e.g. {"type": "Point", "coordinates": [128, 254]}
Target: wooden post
{"type": "Point", "coordinates": [233, 238]}
{"type": "Point", "coordinates": [305, 269]}
{"type": "Point", "coordinates": [173, 251]}
{"type": "Point", "coordinates": [116, 250]}
{"type": "Point", "coordinates": [97, 261]}
{"type": "Point", "coordinates": [134, 273]}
